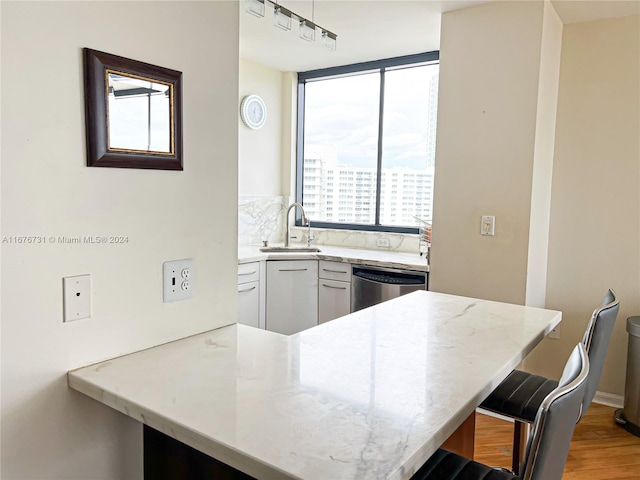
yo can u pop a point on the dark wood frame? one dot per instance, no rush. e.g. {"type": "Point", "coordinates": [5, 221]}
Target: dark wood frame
{"type": "Point", "coordinates": [95, 87]}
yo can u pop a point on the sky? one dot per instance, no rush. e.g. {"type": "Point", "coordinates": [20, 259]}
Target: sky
{"type": "Point", "coordinates": [343, 113]}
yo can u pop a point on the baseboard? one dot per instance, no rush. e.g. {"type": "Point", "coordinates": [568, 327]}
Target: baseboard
{"type": "Point", "coordinates": [609, 399]}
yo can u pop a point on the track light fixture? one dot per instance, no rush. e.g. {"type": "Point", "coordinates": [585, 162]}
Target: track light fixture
{"type": "Point", "coordinates": [283, 18]}
{"type": "Point", "coordinates": [329, 40]}
{"type": "Point", "coordinates": [307, 30]}
{"type": "Point", "coordinates": [255, 7]}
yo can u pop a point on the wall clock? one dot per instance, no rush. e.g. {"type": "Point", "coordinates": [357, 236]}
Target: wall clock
{"type": "Point", "coordinates": [253, 111]}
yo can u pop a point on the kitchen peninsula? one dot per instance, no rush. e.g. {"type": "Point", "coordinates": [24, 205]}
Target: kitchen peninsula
{"type": "Point", "coordinates": [367, 396]}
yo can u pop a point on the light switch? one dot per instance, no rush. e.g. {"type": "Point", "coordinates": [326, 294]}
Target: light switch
{"type": "Point", "coordinates": [76, 297]}
{"type": "Point", "coordinates": [178, 280]}
{"type": "Point", "coordinates": [488, 225]}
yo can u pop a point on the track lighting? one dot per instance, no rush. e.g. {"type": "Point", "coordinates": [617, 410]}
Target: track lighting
{"type": "Point", "coordinates": [283, 19]}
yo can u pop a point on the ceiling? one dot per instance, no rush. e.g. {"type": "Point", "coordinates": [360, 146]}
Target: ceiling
{"type": "Point", "coordinates": [375, 29]}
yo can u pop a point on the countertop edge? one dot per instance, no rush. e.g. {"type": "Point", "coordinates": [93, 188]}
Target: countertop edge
{"type": "Point", "coordinates": [339, 254]}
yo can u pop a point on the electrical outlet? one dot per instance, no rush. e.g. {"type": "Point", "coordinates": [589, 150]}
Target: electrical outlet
{"type": "Point", "coordinates": [383, 242]}
{"type": "Point", "coordinates": [177, 280]}
{"type": "Point", "coordinates": [488, 225]}
{"type": "Point", "coordinates": [76, 297]}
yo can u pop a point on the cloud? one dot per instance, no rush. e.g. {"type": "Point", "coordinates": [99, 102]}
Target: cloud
{"type": "Point", "coordinates": [343, 113]}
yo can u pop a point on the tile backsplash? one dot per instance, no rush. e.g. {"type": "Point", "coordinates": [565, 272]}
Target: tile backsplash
{"type": "Point", "coordinates": [262, 218]}
{"type": "Point", "coordinates": [398, 242]}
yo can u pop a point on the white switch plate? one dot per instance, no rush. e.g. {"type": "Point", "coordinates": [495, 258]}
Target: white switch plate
{"type": "Point", "coordinates": [76, 297]}
{"type": "Point", "coordinates": [488, 225]}
{"type": "Point", "coordinates": [178, 279]}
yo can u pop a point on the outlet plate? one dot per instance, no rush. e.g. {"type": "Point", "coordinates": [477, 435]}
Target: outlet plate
{"type": "Point", "coordinates": [488, 225]}
{"type": "Point", "coordinates": [178, 279]}
{"type": "Point", "coordinates": [383, 242]}
{"type": "Point", "coordinates": [76, 297]}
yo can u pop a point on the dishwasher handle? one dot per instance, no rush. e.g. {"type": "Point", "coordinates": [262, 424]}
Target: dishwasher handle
{"type": "Point", "coordinates": [389, 277]}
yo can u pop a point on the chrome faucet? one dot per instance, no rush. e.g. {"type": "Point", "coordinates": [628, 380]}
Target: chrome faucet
{"type": "Point", "coordinates": [310, 238]}
{"type": "Point", "coordinates": [286, 220]}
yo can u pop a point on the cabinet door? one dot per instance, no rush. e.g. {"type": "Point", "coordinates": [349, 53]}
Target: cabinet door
{"type": "Point", "coordinates": [248, 272]}
{"type": "Point", "coordinates": [292, 295]}
{"type": "Point", "coordinates": [249, 304]}
{"type": "Point", "coordinates": [334, 299]}
{"type": "Point", "coordinates": [334, 270]}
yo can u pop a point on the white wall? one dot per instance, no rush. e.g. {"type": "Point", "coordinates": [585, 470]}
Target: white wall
{"type": "Point", "coordinates": [490, 58]}
{"type": "Point", "coordinates": [262, 157]}
{"type": "Point", "coordinates": [561, 239]}
{"type": "Point", "coordinates": [548, 79]}
{"type": "Point", "coordinates": [595, 211]}
{"type": "Point", "coordinates": [260, 151]}
{"type": "Point", "coordinates": [49, 431]}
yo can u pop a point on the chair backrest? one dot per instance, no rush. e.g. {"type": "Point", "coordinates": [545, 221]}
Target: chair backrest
{"type": "Point", "coordinates": [596, 341]}
{"type": "Point", "coordinates": [555, 421]}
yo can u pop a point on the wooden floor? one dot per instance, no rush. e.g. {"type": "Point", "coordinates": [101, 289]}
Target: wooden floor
{"type": "Point", "coordinates": [600, 450]}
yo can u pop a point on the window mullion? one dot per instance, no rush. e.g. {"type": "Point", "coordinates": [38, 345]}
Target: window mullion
{"type": "Point", "coordinates": [380, 130]}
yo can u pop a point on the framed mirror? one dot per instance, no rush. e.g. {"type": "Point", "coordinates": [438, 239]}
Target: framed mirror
{"type": "Point", "coordinates": [133, 113]}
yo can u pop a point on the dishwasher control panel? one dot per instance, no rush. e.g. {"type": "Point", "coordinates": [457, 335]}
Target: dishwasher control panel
{"type": "Point", "coordinates": [373, 285]}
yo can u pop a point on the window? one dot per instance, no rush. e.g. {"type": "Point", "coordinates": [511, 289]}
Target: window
{"type": "Point", "coordinates": [370, 128]}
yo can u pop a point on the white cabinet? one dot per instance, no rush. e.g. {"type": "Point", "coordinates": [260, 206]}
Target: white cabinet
{"type": "Point", "coordinates": [292, 295]}
{"type": "Point", "coordinates": [334, 271]}
{"type": "Point", "coordinates": [249, 304]}
{"type": "Point", "coordinates": [334, 299]}
{"type": "Point", "coordinates": [334, 290]}
{"type": "Point", "coordinates": [249, 294]}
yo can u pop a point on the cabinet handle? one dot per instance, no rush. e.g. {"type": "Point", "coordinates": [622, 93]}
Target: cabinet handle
{"type": "Point", "coordinates": [293, 270]}
{"type": "Point", "coordinates": [333, 271]}
{"type": "Point", "coordinates": [331, 286]}
{"type": "Point", "coordinates": [247, 273]}
{"type": "Point", "coordinates": [247, 290]}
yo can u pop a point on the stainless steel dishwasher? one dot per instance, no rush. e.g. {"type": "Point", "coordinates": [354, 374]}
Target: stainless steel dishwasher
{"type": "Point", "coordinates": [372, 285]}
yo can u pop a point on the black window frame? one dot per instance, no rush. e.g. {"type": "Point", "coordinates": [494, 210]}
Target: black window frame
{"type": "Point", "coordinates": [382, 66]}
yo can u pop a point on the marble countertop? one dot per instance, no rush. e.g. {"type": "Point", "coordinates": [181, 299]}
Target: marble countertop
{"type": "Point", "coordinates": [380, 258]}
{"type": "Point", "coordinates": [367, 396]}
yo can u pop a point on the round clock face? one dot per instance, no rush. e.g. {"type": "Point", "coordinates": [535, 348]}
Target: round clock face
{"type": "Point", "coordinates": [253, 111]}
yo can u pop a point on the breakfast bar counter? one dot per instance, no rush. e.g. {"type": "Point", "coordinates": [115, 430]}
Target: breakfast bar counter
{"type": "Point", "coordinates": [367, 396]}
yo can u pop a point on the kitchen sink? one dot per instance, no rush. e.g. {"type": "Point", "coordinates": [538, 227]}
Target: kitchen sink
{"type": "Point", "coordinates": [289, 249]}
